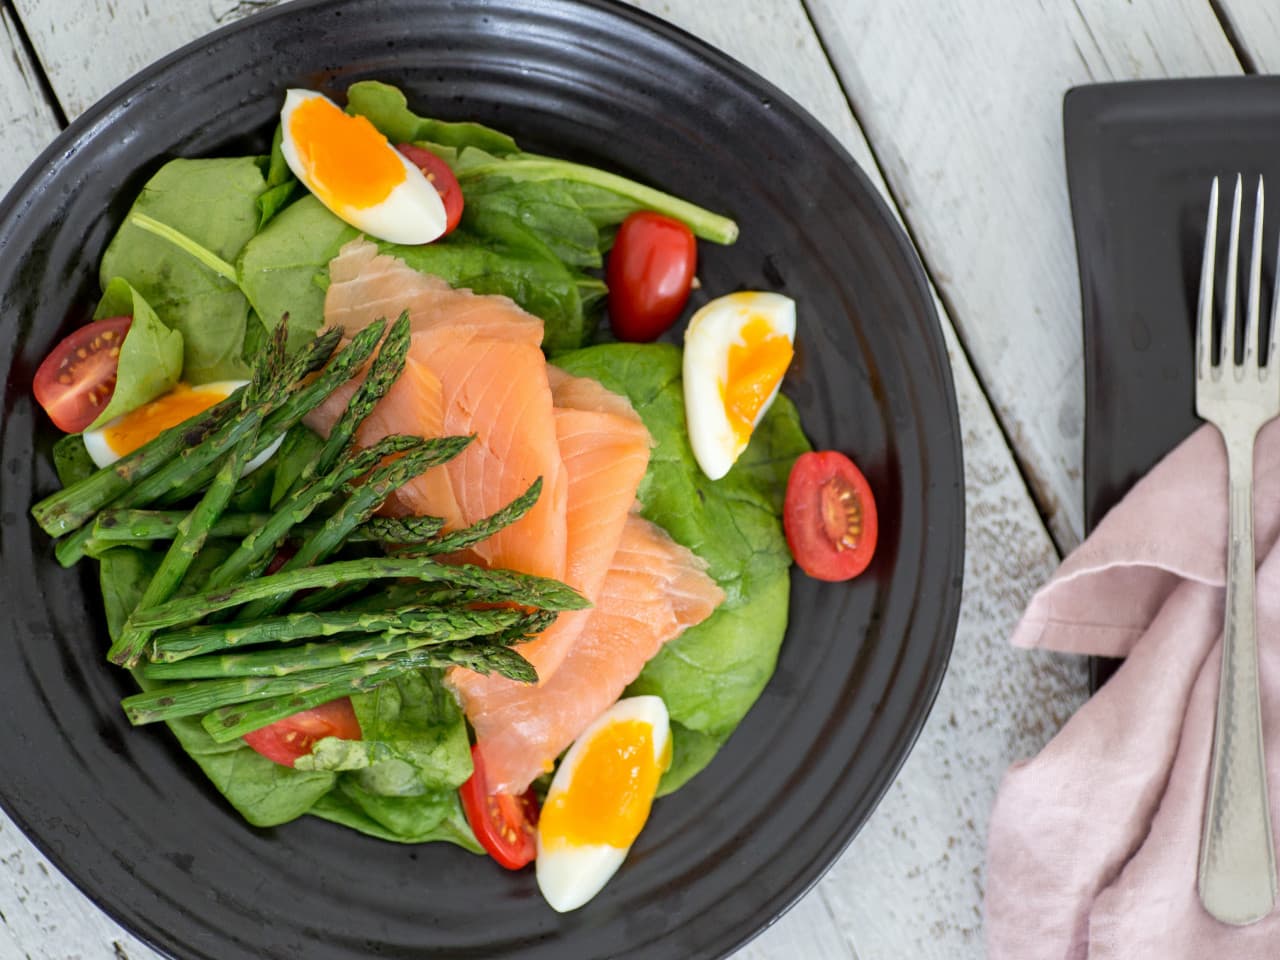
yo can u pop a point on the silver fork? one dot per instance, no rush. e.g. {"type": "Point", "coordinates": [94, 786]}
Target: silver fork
{"type": "Point", "coordinates": [1237, 879]}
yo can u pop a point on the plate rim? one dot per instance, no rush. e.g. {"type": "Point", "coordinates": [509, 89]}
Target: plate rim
{"type": "Point", "coordinates": [64, 146]}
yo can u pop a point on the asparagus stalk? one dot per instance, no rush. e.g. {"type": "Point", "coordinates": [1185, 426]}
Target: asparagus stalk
{"type": "Point", "coordinates": [113, 528]}
{"type": "Point", "coordinates": [266, 386]}
{"type": "Point", "coordinates": [282, 661]}
{"type": "Point", "coordinates": [297, 405]}
{"type": "Point", "coordinates": [518, 588]}
{"type": "Point", "coordinates": [190, 471]}
{"type": "Point", "coordinates": [439, 623]}
{"type": "Point", "coordinates": [230, 722]}
{"type": "Point", "coordinates": [71, 508]}
{"type": "Point", "coordinates": [359, 506]}
{"type": "Point", "coordinates": [482, 529]}
{"type": "Point", "coordinates": [259, 545]}
{"type": "Point", "coordinates": [195, 697]}
{"type": "Point", "coordinates": [384, 372]}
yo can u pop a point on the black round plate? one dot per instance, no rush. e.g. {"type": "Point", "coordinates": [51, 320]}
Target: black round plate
{"type": "Point", "coordinates": [132, 821]}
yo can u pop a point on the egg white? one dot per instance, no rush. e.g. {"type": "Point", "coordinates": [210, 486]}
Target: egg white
{"type": "Point", "coordinates": [570, 875]}
{"type": "Point", "coordinates": [712, 330]}
{"type": "Point", "coordinates": [412, 213]}
{"type": "Point", "coordinates": [101, 453]}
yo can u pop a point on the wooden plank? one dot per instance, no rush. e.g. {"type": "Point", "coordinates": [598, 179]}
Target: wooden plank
{"type": "Point", "coordinates": [910, 877]}
{"type": "Point", "coordinates": [963, 102]}
{"type": "Point", "coordinates": [26, 117]}
{"type": "Point", "coordinates": [1255, 27]}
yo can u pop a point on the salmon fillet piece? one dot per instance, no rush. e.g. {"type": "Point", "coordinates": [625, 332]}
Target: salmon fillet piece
{"type": "Point", "coordinates": [605, 448]}
{"type": "Point", "coordinates": [474, 367]}
{"type": "Point", "coordinates": [655, 590]}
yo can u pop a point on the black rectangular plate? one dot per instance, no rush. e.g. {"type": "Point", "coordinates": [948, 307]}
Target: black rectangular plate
{"type": "Point", "coordinates": [1140, 158]}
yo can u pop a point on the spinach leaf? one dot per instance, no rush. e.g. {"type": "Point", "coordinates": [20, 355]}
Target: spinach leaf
{"type": "Point", "coordinates": [214, 203]}
{"type": "Point", "coordinates": [280, 182]}
{"type": "Point", "coordinates": [386, 108]}
{"type": "Point", "coordinates": [150, 357]}
{"type": "Point", "coordinates": [545, 217]}
{"type": "Point", "coordinates": [711, 675]}
{"type": "Point", "coordinates": [71, 461]}
{"type": "Point", "coordinates": [434, 816]}
{"type": "Point", "coordinates": [413, 741]}
{"type": "Point", "coordinates": [284, 270]}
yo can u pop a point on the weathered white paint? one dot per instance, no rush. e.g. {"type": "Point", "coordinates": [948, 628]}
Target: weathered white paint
{"type": "Point", "coordinates": [910, 884]}
{"type": "Point", "coordinates": [26, 118]}
{"type": "Point", "coordinates": [963, 103]}
{"type": "Point", "coordinates": [1256, 26]}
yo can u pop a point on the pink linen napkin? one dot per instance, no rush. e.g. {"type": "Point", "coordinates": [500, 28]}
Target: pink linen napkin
{"type": "Point", "coordinates": [1094, 843]}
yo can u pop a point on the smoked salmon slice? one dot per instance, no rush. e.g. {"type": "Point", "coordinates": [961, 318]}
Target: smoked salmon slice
{"type": "Point", "coordinates": [605, 449]}
{"type": "Point", "coordinates": [655, 590]}
{"type": "Point", "coordinates": [475, 367]}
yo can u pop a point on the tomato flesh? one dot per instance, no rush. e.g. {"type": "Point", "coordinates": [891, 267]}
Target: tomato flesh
{"type": "Point", "coordinates": [286, 740]}
{"type": "Point", "coordinates": [829, 516]}
{"type": "Point", "coordinates": [441, 176]}
{"type": "Point", "coordinates": [649, 275]}
{"type": "Point", "coordinates": [76, 380]}
{"type": "Point", "coordinates": [505, 824]}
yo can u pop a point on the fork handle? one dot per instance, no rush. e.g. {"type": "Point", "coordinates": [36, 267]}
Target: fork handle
{"type": "Point", "coordinates": [1237, 878]}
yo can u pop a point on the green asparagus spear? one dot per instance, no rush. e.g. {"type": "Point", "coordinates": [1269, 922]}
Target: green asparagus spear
{"type": "Point", "coordinates": [112, 528]}
{"type": "Point", "coordinates": [518, 588]}
{"type": "Point", "coordinates": [384, 372]}
{"type": "Point", "coordinates": [282, 661]}
{"type": "Point", "coordinates": [260, 545]}
{"type": "Point", "coordinates": [71, 508]}
{"type": "Point", "coordinates": [358, 507]}
{"type": "Point", "coordinates": [194, 529]}
{"type": "Point", "coordinates": [440, 623]}
{"type": "Point", "coordinates": [297, 405]}
{"type": "Point", "coordinates": [191, 470]}
{"type": "Point", "coordinates": [230, 722]}
{"type": "Point", "coordinates": [196, 697]}
{"type": "Point", "coordinates": [480, 530]}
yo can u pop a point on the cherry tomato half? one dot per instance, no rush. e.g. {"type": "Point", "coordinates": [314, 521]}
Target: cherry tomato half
{"type": "Point", "coordinates": [441, 176]}
{"type": "Point", "coordinates": [505, 824]}
{"type": "Point", "coordinates": [829, 516]}
{"type": "Point", "coordinates": [649, 274]}
{"type": "Point", "coordinates": [76, 380]}
{"type": "Point", "coordinates": [286, 740]}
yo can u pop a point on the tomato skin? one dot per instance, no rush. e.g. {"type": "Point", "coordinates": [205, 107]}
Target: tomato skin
{"type": "Point", "coordinates": [649, 275]}
{"type": "Point", "coordinates": [441, 176]}
{"type": "Point", "coordinates": [503, 823]}
{"type": "Point", "coordinates": [75, 388]}
{"type": "Point", "coordinates": [829, 516]}
{"type": "Point", "coordinates": [286, 740]}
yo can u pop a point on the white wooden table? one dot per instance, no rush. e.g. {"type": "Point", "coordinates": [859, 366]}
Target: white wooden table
{"type": "Point", "coordinates": [954, 109]}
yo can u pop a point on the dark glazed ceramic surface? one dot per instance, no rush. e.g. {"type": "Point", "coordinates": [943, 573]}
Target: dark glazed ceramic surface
{"type": "Point", "coordinates": [133, 822]}
{"type": "Point", "coordinates": [1140, 158]}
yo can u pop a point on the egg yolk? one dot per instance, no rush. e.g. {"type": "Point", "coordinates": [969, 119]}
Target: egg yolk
{"type": "Point", "coordinates": [151, 419]}
{"type": "Point", "coordinates": [756, 365]}
{"type": "Point", "coordinates": [608, 799]}
{"type": "Point", "coordinates": [349, 161]}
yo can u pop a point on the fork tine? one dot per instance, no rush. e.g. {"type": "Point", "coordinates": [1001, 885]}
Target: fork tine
{"type": "Point", "coordinates": [1227, 351]}
{"type": "Point", "coordinates": [1204, 311]}
{"type": "Point", "coordinates": [1251, 358]}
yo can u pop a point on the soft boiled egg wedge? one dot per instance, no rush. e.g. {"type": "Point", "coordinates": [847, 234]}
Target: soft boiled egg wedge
{"type": "Point", "coordinates": [355, 172]}
{"type": "Point", "coordinates": [736, 350]}
{"type": "Point", "coordinates": [127, 433]}
{"type": "Point", "coordinates": [599, 799]}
